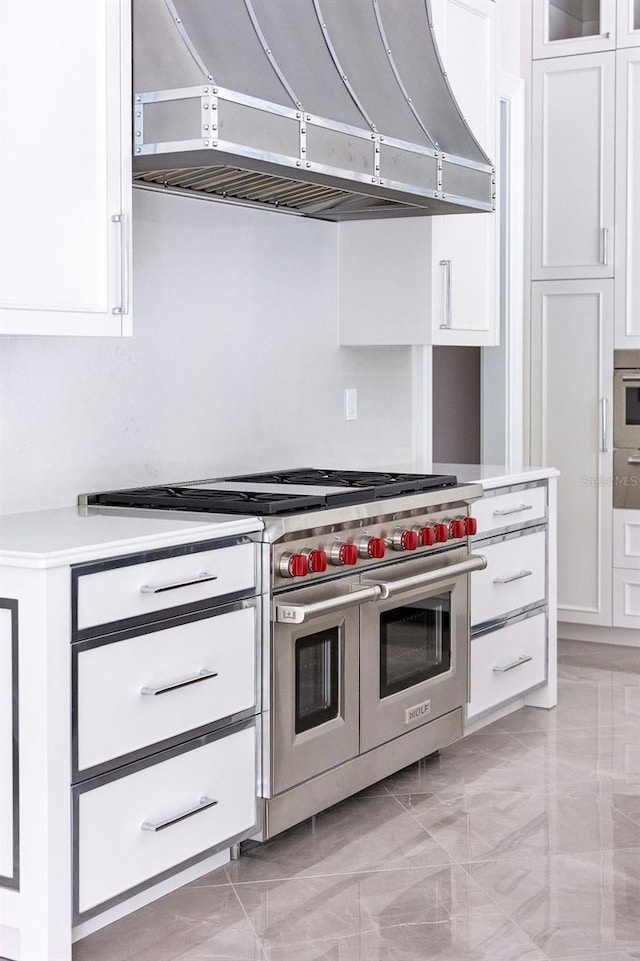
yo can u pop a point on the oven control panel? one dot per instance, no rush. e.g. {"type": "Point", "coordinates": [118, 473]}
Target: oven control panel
{"type": "Point", "coordinates": [326, 552]}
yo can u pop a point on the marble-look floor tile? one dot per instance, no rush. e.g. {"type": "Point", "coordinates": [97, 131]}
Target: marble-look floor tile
{"type": "Point", "coordinates": [399, 916]}
{"type": "Point", "coordinates": [496, 825]}
{"type": "Point", "coordinates": [602, 752]}
{"type": "Point", "coordinates": [182, 921]}
{"type": "Point", "coordinates": [604, 657]}
{"type": "Point", "coordinates": [569, 905]}
{"type": "Point", "coordinates": [361, 834]}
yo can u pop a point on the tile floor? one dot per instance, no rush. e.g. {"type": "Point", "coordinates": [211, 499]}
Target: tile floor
{"type": "Point", "coordinates": [520, 843]}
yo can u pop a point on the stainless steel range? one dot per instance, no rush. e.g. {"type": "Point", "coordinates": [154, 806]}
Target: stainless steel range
{"type": "Point", "coordinates": [366, 651]}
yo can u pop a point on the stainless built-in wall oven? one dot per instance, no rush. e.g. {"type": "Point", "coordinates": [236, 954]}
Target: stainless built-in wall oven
{"type": "Point", "coordinates": [626, 429]}
{"type": "Point", "coordinates": [366, 639]}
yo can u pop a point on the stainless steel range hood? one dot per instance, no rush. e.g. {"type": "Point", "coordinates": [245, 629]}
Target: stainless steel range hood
{"type": "Point", "coordinates": [336, 109]}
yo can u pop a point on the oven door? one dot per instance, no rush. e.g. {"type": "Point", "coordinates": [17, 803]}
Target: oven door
{"type": "Point", "coordinates": [414, 646]}
{"type": "Point", "coordinates": [626, 402]}
{"type": "Point", "coordinates": [314, 680]}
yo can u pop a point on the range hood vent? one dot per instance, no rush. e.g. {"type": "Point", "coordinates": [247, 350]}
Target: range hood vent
{"type": "Point", "coordinates": [335, 109]}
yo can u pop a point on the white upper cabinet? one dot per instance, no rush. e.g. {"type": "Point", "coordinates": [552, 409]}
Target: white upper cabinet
{"type": "Point", "coordinates": [433, 280]}
{"type": "Point", "coordinates": [573, 167]}
{"type": "Point", "coordinates": [65, 167]}
{"type": "Point", "coordinates": [464, 263]}
{"type": "Point", "coordinates": [563, 27]}
{"type": "Point", "coordinates": [628, 32]}
{"type": "Point", "coordinates": [628, 199]}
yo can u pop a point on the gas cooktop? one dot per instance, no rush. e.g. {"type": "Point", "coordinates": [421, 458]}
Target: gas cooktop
{"type": "Point", "coordinates": [277, 492]}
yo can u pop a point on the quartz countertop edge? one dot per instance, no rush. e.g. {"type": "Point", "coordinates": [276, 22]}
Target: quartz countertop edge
{"type": "Point", "coordinates": [74, 535]}
{"type": "Point", "coordinates": [489, 476]}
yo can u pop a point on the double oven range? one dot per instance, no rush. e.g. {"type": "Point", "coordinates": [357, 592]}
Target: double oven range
{"type": "Point", "coordinates": [365, 655]}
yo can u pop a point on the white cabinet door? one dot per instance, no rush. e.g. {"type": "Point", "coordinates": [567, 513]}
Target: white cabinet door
{"type": "Point", "coordinates": [65, 164]}
{"type": "Point", "coordinates": [628, 198]}
{"type": "Point", "coordinates": [573, 167]}
{"type": "Point", "coordinates": [572, 383]}
{"type": "Point", "coordinates": [464, 247]}
{"type": "Point", "coordinates": [563, 27]}
{"type": "Point", "coordinates": [628, 32]}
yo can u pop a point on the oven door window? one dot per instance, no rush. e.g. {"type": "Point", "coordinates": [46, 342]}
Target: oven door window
{"type": "Point", "coordinates": [632, 406]}
{"type": "Point", "coordinates": [317, 672]}
{"type": "Point", "coordinates": [415, 643]}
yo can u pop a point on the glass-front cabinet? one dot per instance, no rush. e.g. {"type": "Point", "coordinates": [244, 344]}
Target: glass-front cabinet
{"type": "Point", "coordinates": [628, 26]}
{"type": "Point", "coordinates": [563, 27]}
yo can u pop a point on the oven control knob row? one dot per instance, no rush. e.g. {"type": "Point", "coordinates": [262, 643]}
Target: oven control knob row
{"type": "Point", "coordinates": [404, 540]}
{"type": "Point", "coordinates": [342, 554]}
{"type": "Point", "coordinates": [371, 547]}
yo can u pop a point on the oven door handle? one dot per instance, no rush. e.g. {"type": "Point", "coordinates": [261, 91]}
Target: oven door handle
{"type": "Point", "coordinates": [476, 562]}
{"type": "Point", "coordinates": [299, 613]}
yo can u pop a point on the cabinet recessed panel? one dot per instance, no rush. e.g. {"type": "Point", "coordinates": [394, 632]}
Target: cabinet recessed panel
{"type": "Point", "coordinates": [572, 338]}
{"type": "Point", "coordinates": [628, 199]}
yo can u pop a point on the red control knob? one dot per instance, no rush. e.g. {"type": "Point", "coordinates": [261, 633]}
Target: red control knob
{"type": "Point", "coordinates": [456, 528]}
{"type": "Point", "coordinates": [343, 554]}
{"type": "Point", "coordinates": [293, 565]}
{"type": "Point", "coordinates": [426, 536]}
{"type": "Point", "coordinates": [470, 526]}
{"type": "Point", "coordinates": [404, 540]}
{"type": "Point", "coordinates": [372, 547]}
{"type": "Point", "coordinates": [442, 533]}
{"type": "Point", "coordinates": [317, 560]}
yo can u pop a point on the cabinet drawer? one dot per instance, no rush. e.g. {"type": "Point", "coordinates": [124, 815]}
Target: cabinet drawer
{"type": "Point", "coordinates": [127, 589]}
{"type": "Point", "coordinates": [510, 508]}
{"type": "Point", "coordinates": [138, 826]}
{"type": "Point", "coordinates": [152, 686]}
{"type": "Point", "coordinates": [626, 598]}
{"type": "Point", "coordinates": [626, 539]}
{"type": "Point", "coordinates": [498, 668]}
{"type": "Point", "coordinates": [515, 576]}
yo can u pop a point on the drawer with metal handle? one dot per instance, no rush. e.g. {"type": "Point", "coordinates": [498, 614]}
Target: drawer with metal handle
{"type": "Point", "coordinates": [507, 660]}
{"type": "Point", "coordinates": [515, 576]}
{"type": "Point", "coordinates": [154, 684]}
{"type": "Point", "coordinates": [145, 821]}
{"type": "Point", "coordinates": [111, 595]}
{"type": "Point", "coordinates": [523, 505]}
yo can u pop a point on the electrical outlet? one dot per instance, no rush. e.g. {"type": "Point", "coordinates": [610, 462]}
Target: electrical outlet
{"type": "Point", "coordinates": [351, 403]}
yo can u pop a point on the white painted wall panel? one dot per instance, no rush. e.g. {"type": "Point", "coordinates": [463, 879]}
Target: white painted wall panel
{"type": "Point", "coordinates": [234, 366]}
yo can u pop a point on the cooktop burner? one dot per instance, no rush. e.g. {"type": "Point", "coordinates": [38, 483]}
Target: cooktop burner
{"type": "Point", "coordinates": [278, 492]}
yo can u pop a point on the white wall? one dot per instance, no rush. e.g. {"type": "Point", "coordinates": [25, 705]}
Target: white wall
{"type": "Point", "coordinates": [233, 366]}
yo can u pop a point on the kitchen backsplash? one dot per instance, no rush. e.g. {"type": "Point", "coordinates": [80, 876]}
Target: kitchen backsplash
{"type": "Point", "coordinates": [233, 366]}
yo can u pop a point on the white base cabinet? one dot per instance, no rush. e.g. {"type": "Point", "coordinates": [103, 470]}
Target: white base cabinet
{"type": "Point", "coordinates": [65, 167]}
{"type": "Point", "coordinates": [128, 732]}
{"type": "Point", "coordinates": [513, 602]}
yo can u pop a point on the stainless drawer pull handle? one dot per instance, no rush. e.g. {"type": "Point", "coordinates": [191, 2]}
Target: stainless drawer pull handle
{"type": "Point", "coordinates": [502, 512]}
{"type": "Point", "coordinates": [202, 675]}
{"type": "Point", "coordinates": [202, 805]}
{"type": "Point", "coordinates": [512, 577]}
{"type": "Point", "coordinates": [634, 378]}
{"type": "Point", "coordinates": [605, 246]}
{"type": "Point", "coordinates": [201, 578]}
{"type": "Point", "coordinates": [501, 668]}
{"type": "Point", "coordinates": [633, 460]}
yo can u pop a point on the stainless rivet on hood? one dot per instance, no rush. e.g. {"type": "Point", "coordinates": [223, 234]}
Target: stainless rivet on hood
{"type": "Point", "coordinates": [308, 164]}
{"type": "Point", "coordinates": [206, 143]}
{"type": "Point", "coordinates": [138, 149]}
{"type": "Point", "coordinates": [215, 143]}
{"type": "Point", "coordinates": [138, 99]}
{"type": "Point", "coordinates": [298, 163]}
{"type": "Point", "coordinates": [205, 90]}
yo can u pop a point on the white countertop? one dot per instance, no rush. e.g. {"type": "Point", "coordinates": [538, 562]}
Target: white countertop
{"type": "Point", "coordinates": [488, 475]}
{"type": "Point", "coordinates": [71, 535]}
